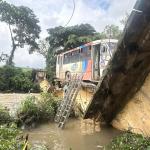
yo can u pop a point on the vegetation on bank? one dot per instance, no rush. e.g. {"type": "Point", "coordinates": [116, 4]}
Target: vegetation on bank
{"type": "Point", "coordinates": [5, 117]}
{"type": "Point", "coordinates": [10, 138]}
{"type": "Point", "coordinates": [33, 110]}
{"type": "Point", "coordinates": [10, 135]}
{"type": "Point", "coordinates": [129, 141]}
{"type": "Point", "coordinates": [13, 79]}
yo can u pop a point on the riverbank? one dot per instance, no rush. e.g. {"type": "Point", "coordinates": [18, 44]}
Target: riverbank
{"type": "Point", "coordinates": [78, 133]}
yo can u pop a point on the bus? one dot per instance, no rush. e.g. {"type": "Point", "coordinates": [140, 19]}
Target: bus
{"type": "Point", "coordinates": [88, 60]}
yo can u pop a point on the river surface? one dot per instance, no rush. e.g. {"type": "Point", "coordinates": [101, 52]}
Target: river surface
{"type": "Point", "coordinates": [77, 135]}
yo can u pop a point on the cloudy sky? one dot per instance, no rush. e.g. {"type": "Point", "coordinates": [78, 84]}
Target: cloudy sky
{"type": "Point", "coordinates": [53, 13]}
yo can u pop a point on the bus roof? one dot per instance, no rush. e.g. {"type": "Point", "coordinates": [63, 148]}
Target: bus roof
{"type": "Point", "coordinates": [104, 41]}
{"type": "Point", "coordinates": [90, 43]}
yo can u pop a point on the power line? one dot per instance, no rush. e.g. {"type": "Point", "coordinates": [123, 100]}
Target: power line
{"type": "Point", "coordinates": [74, 6]}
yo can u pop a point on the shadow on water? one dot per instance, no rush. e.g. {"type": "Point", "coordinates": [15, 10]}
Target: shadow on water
{"type": "Point", "coordinates": [77, 135]}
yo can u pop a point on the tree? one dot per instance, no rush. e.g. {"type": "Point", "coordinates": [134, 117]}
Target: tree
{"type": "Point", "coordinates": [43, 47]}
{"type": "Point", "coordinates": [111, 31]}
{"type": "Point", "coordinates": [64, 36]}
{"type": "Point", "coordinates": [23, 27]}
{"type": "Point", "coordinates": [50, 64]}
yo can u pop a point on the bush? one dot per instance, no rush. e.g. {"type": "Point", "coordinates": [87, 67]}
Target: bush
{"type": "Point", "coordinates": [8, 138]}
{"type": "Point", "coordinates": [33, 110]}
{"type": "Point", "coordinates": [47, 106]}
{"type": "Point", "coordinates": [35, 88]}
{"type": "Point", "coordinates": [4, 116]}
{"type": "Point", "coordinates": [28, 111]}
{"type": "Point", "coordinates": [129, 141]}
{"type": "Point", "coordinates": [14, 79]}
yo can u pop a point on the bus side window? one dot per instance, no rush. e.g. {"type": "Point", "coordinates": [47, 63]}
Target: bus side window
{"type": "Point", "coordinates": [66, 59]}
{"type": "Point", "coordinates": [75, 56]}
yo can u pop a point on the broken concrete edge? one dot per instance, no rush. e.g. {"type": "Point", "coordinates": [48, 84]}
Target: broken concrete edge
{"type": "Point", "coordinates": [128, 68]}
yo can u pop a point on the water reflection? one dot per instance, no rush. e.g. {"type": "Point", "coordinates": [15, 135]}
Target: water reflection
{"type": "Point", "coordinates": [77, 135]}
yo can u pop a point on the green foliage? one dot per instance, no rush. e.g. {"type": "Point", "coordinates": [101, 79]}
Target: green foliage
{"type": "Point", "coordinates": [29, 106]}
{"type": "Point", "coordinates": [50, 65]}
{"type": "Point", "coordinates": [16, 80]}
{"type": "Point", "coordinates": [43, 47]}
{"type": "Point", "coordinates": [48, 106]}
{"type": "Point", "coordinates": [129, 141]}
{"type": "Point", "coordinates": [33, 110]}
{"type": "Point", "coordinates": [4, 116]}
{"type": "Point", "coordinates": [23, 26]}
{"type": "Point", "coordinates": [74, 40]}
{"type": "Point", "coordinates": [28, 111]}
{"type": "Point", "coordinates": [8, 138]}
{"type": "Point", "coordinates": [59, 36]}
{"type": "Point", "coordinates": [111, 31]}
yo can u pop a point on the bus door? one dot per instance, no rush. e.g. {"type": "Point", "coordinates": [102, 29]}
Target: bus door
{"type": "Point", "coordinates": [104, 57]}
{"type": "Point", "coordinates": [96, 60]}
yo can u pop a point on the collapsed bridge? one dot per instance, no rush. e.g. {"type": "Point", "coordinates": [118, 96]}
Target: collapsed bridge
{"type": "Point", "coordinates": [127, 70]}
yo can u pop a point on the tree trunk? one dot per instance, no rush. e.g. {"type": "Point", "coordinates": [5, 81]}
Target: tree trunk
{"type": "Point", "coordinates": [10, 60]}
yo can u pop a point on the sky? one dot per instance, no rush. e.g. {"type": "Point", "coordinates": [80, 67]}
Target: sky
{"type": "Point", "coordinates": [51, 13]}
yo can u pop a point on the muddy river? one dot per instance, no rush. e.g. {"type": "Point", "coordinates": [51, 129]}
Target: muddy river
{"type": "Point", "coordinates": [77, 135]}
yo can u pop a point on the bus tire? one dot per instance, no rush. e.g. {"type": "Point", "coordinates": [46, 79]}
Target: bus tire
{"type": "Point", "coordinates": [68, 76]}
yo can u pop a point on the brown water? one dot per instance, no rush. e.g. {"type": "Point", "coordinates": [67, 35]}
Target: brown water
{"type": "Point", "coordinates": [77, 135]}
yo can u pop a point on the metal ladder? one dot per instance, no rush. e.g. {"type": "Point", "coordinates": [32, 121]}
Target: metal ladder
{"type": "Point", "coordinates": [67, 103]}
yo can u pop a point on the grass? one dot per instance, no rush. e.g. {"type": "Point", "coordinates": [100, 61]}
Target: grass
{"type": "Point", "coordinates": [129, 141]}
